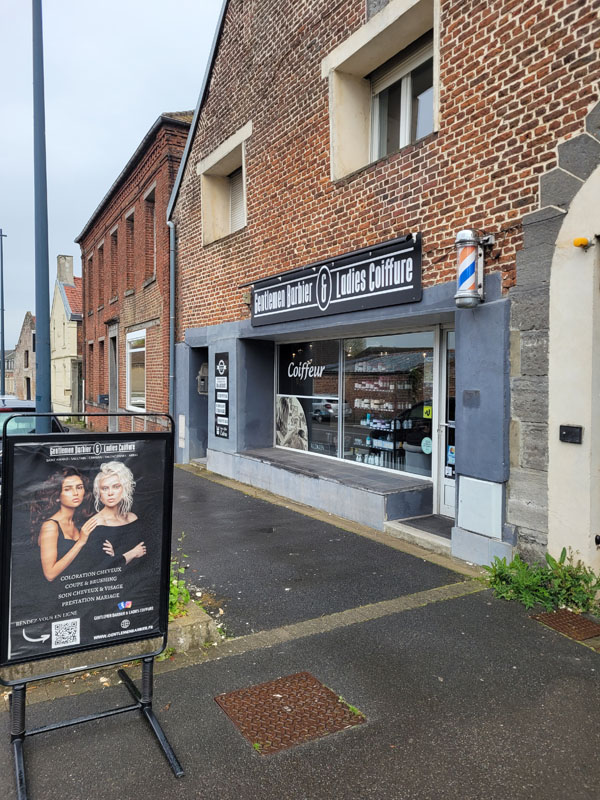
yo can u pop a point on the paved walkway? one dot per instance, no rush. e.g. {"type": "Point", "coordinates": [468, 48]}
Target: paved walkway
{"type": "Point", "coordinates": [465, 696]}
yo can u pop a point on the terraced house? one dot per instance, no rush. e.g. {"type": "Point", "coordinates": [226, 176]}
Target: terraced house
{"type": "Point", "coordinates": [126, 284]}
{"type": "Point", "coordinates": [388, 270]}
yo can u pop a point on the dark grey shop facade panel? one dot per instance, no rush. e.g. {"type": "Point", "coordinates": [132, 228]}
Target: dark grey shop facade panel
{"type": "Point", "coordinates": [482, 391]}
{"type": "Point", "coordinates": [255, 393]}
{"type": "Point", "coordinates": [191, 408]}
{"type": "Point", "coordinates": [227, 346]}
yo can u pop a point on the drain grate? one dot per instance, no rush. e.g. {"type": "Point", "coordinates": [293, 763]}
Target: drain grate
{"type": "Point", "coordinates": [288, 711]}
{"type": "Point", "coordinates": [573, 625]}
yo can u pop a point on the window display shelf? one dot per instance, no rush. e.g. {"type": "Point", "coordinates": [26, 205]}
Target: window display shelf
{"type": "Point", "coordinates": [389, 427]}
{"type": "Point", "coordinates": [379, 445]}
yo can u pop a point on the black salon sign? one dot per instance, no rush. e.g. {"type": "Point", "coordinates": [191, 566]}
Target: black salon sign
{"type": "Point", "coordinates": [222, 395]}
{"type": "Point", "coordinates": [384, 275]}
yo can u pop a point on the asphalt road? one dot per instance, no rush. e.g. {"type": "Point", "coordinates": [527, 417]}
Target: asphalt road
{"type": "Point", "coordinates": [465, 700]}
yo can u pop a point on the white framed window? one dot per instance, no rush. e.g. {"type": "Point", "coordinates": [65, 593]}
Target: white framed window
{"type": "Point", "coordinates": [136, 371]}
{"type": "Point", "coordinates": [379, 87]}
{"type": "Point", "coordinates": [402, 101]}
{"type": "Point", "coordinates": [223, 187]}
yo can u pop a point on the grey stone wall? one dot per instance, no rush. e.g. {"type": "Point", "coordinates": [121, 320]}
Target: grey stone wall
{"type": "Point", "coordinates": [527, 504]}
{"type": "Point", "coordinates": [373, 6]}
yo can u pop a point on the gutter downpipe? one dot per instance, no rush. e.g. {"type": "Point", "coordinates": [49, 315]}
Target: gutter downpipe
{"type": "Point", "coordinates": [171, 316]}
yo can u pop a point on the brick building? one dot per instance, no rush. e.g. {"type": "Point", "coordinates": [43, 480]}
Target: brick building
{"type": "Point", "coordinates": [126, 281]}
{"type": "Point", "coordinates": [24, 360]}
{"type": "Point", "coordinates": [337, 152]}
{"type": "Point", "coordinates": [66, 339]}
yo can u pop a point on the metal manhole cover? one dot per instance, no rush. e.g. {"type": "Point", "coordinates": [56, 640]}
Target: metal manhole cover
{"type": "Point", "coordinates": [571, 624]}
{"type": "Point", "coordinates": [287, 711]}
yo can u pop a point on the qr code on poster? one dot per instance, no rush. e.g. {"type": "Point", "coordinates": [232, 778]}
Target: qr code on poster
{"type": "Point", "coordinates": [65, 632]}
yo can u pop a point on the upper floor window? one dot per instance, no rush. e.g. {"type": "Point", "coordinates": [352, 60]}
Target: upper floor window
{"type": "Point", "coordinates": [237, 210]}
{"type": "Point", "coordinates": [114, 261]}
{"type": "Point", "coordinates": [150, 237]}
{"type": "Point", "coordinates": [402, 104]}
{"type": "Point", "coordinates": [129, 249]}
{"type": "Point", "coordinates": [89, 285]}
{"type": "Point", "coordinates": [101, 282]}
{"type": "Point", "coordinates": [383, 85]}
{"type": "Point", "coordinates": [223, 187]}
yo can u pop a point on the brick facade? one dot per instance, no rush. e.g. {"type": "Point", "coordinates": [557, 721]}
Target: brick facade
{"type": "Point", "coordinates": [517, 137]}
{"type": "Point", "coordinates": [125, 267]}
{"type": "Point", "coordinates": [515, 81]}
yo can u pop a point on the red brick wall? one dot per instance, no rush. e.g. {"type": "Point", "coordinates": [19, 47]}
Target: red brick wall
{"type": "Point", "coordinates": [516, 79]}
{"type": "Point", "coordinates": [135, 300]}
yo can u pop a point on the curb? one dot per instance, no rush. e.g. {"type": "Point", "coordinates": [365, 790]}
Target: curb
{"type": "Point", "coordinates": [186, 636]}
{"type": "Point", "coordinates": [192, 631]}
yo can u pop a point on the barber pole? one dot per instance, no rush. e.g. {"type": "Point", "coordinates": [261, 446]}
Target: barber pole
{"type": "Point", "coordinates": [469, 262]}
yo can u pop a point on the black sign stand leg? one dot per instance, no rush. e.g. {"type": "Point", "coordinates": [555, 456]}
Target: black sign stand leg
{"type": "Point", "coordinates": [145, 703]}
{"type": "Point", "coordinates": [17, 736]}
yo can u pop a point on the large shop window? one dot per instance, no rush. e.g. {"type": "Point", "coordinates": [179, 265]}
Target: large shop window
{"type": "Point", "coordinates": [307, 410]}
{"type": "Point", "coordinates": [368, 400]}
{"type": "Point", "coordinates": [136, 371]}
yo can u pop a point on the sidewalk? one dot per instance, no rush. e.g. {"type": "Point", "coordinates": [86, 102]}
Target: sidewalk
{"type": "Point", "coordinates": [464, 696]}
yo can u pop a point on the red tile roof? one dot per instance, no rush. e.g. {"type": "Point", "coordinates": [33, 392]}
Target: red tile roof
{"type": "Point", "coordinates": [75, 296]}
{"type": "Point", "coordinates": [183, 116]}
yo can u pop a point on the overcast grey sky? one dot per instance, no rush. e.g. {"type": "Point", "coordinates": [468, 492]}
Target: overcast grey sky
{"type": "Point", "coordinates": [111, 67]}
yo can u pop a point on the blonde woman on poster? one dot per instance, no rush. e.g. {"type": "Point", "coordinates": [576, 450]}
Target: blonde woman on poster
{"type": "Point", "coordinates": [117, 525]}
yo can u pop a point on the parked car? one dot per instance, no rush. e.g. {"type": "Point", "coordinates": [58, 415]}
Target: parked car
{"type": "Point", "coordinates": [325, 409]}
{"type": "Point", "coordinates": [21, 425]}
{"type": "Point", "coordinates": [415, 425]}
{"type": "Point", "coordinates": [13, 405]}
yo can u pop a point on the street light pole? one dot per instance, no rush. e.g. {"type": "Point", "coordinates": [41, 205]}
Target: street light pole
{"type": "Point", "coordinates": [2, 369]}
{"type": "Point", "coordinates": [42, 292]}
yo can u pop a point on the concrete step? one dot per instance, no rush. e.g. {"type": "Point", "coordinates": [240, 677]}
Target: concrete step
{"type": "Point", "coordinates": [429, 541]}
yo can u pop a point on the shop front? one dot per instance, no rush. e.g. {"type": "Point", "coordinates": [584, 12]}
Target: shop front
{"type": "Point", "coordinates": [353, 389]}
{"type": "Point", "coordinates": [379, 401]}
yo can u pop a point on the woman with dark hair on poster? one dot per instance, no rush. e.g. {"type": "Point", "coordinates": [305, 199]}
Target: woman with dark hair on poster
{"type": "Point", "coordinates": [57, 525]}
{"type": "Point", "coordinates": [118, 526]}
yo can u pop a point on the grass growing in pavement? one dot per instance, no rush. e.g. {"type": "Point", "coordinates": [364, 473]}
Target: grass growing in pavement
{"type": "Point", "coordinates": [560, 583]}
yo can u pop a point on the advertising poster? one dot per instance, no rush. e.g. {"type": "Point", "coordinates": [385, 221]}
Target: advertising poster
{"type": "Point", "coordinates": [86, 538]}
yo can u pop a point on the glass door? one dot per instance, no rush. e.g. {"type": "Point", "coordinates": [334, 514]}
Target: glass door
{"type": "Point", "coordinates": [447, 428]}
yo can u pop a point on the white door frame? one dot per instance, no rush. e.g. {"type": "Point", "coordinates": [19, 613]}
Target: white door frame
{"type": "Point", "coordinates": [440, 479]}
